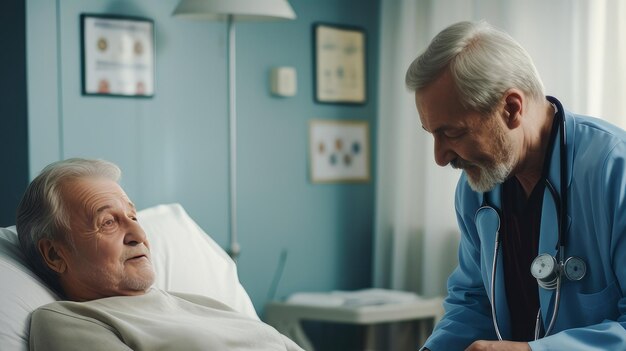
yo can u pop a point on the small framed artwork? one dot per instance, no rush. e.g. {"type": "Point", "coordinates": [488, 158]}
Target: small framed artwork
{"type": "Point", "coordinates": [117, 55]}
{"type": "Point", "coordinates": [339, 64]}
{"type": "Point", "coordinates": [339, 151]}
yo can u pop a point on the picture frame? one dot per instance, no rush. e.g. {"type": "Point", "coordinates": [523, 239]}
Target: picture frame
{"type": "Point", "coordinates": [117, 55]}
{"type": "Point", "coordinates": [339, 151]}
{"type": "Point", "coordinates": [340, 64]}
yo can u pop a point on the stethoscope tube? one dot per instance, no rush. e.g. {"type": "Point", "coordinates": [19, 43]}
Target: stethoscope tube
{"type": "Point", "coordinates": [560, 204]}
{"type": "Point", "coordinates": [492, 284]}
{"type": "Point", "coordinates": [493, 275]}
{"type": "Point", "coordinates": [557, 299]}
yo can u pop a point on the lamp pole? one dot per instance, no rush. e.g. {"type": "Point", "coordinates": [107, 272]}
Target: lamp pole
{"type": "Point", "coordinates": [247, 10]}
{"type": "Point", "coordinates": [234, 248]}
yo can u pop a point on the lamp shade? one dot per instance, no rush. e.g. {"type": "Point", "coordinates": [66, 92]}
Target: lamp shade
{"type": "Point", "coordinates": [241, 10]}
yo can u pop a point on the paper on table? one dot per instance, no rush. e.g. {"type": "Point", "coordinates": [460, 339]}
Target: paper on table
{"type": "Point", "coordinates": [316, 299]}
{"type": "Point", "coordinates": [363, 297]}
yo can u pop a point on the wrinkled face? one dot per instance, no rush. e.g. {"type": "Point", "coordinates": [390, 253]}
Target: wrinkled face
{"type": "Point", "coordinates": [111, 254]}
{"type": "Point", "coordinates": [465, 139]}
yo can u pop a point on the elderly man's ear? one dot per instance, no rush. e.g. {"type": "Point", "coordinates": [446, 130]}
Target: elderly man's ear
{"type": "Point", "coordinates": [53, 254]}
{"type": "Point", "coordinates": [513, 107]}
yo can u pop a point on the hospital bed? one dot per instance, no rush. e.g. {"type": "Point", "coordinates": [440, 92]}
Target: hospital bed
{"type": "Point", "coordinates": [184, 257]}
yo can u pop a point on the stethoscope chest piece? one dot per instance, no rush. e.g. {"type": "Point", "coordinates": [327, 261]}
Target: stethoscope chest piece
{"type": "Point", "coordinates": [545, 269]}
{"type": "Point", "coordinates": [575, 268]}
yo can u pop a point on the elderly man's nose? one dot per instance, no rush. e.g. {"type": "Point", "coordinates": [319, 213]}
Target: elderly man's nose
{"type": "Point", "coordinates": [135, 235]}
{"type": "Point", "coordinates": [443, 154]}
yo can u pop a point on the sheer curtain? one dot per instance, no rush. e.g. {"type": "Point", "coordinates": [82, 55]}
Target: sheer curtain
{"type": "Point", "coordinates": [579, 48]}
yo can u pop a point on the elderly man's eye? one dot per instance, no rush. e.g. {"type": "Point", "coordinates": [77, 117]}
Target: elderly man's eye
{"type": "Point", "coordinates": [108, 225]}
{"type": "Point", "coordinates": [454, 133]}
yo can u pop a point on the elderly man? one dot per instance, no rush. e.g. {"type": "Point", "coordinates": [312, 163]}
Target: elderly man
{"type": "Point", "coordinates": [540, 203]}
{"type": "Point", "coordinates": [80, 232]}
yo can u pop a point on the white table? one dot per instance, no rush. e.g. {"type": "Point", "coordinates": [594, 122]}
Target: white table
{"type": "Point", "coordinates": [286, 317]}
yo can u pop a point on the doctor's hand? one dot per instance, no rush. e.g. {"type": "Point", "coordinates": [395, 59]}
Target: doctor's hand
{"type": "Point", "coordinates": [484, 345]}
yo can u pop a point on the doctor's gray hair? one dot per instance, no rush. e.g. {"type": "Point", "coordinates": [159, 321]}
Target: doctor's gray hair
{"type": "Point", "coordinates": [484, 63]}
{"type": "Point", "coordinates": [42, 213]}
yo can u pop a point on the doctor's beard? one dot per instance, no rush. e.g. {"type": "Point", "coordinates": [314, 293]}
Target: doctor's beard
{"type": "Point", "coordinates": [490, 175]}
{"type": "Point", "coordinates": [488, 178]}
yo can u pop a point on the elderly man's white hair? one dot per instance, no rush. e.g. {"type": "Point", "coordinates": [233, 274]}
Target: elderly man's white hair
{"type": "Point", "coordinates": [42, 213]}
{"type": "Point", "coordinates": [484, 63]}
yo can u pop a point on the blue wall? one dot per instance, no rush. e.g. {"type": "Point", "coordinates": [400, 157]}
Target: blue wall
{"type": "Point", "coordinates": [173, 148]}
{"type": "Point", "coordinates": [13, 109]}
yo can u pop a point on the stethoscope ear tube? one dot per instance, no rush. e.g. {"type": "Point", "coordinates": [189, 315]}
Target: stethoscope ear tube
{"type": "Point", "coordinates": [486, 210]}
{"type": "Point", "coordinates": [545, 268]}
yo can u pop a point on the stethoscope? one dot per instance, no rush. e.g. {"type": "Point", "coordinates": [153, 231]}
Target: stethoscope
{"type": "Point", "coordinates": [547, 269]}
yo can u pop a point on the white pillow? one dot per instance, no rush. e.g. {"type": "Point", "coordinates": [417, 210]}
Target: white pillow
{"type": "Point", "coordinates": [187, 260]}
{"type": "Point", "coordinates": [21, 293]}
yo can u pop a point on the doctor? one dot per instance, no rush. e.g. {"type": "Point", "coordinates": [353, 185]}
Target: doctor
{"type": "Point", "coordinates": [537, 181]}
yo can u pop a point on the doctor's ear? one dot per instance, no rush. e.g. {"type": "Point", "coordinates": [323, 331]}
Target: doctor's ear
{"type": "Point", "coordinates": [53, 255]}
{"type": "Point", "coordinates": [513, 108]}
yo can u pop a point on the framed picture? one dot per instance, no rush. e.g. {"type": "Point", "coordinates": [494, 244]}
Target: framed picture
{"type": "Point", "coordinates": [339, 151]}
{"type": "Point", "coordinates": [339, 64]}
{"type": "Point", "coordinates": [117, 55]}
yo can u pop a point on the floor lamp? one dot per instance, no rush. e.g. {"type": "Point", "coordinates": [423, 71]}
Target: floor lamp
{"type": "Point", "coordinates": [232, 11]}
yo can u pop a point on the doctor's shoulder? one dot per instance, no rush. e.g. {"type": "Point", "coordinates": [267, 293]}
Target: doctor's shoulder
{"type": "Point", "coordinates": [595, 139]}
{"type": "Point", "coordinates": [599, 147]}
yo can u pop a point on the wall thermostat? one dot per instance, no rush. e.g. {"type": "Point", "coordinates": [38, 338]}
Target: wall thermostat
{"type": "Point", "coordinates": [283, 81]}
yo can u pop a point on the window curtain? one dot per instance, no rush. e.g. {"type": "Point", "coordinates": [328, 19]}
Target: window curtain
{"type": "Point", "coordinates": [579, 48]}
